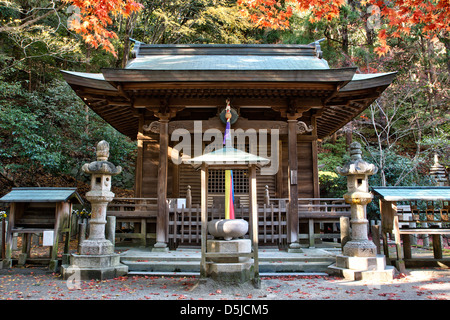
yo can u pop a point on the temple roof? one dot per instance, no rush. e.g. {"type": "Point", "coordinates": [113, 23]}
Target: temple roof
{"type": "Point", "coordinates": [226, 57]}
{"type": "Point", "coordinates": [188, 76]}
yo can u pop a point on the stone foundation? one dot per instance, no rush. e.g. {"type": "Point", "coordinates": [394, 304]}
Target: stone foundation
{"type": "Point", "coordinates": [362, 268]}
{"type": "Point", "coordinates": [230, 269]}
{"type": "Point", "coordinates": [99, 267]}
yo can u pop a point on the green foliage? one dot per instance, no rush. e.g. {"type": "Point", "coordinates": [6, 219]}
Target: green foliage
{"type": "Point", "coordinates": [332, 185]}
{"type": "Point", "coordinates": [199, 21]}
{"type": "Point", "coordinates": [47, 130]}
{"type": "Point", "coordinates": [333, 154]}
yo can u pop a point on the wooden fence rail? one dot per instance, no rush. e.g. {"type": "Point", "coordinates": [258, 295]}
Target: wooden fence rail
{"type": "Point", "coordinates": [322, 218]}
{"type": "Point", "coordinates": [184, 223]}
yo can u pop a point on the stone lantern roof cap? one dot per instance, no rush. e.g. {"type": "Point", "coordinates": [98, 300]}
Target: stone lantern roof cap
{"type": "Point", "coordinates": [102, 165]}
{"type": "Point", "coordinates": [356, 165]}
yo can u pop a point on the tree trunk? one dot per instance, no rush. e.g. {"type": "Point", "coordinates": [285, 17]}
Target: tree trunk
{"type": "Point", "coordinates": [129, 26]}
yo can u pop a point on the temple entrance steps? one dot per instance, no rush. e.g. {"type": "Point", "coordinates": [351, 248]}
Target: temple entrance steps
{"type": "Point", "coordinates": [186, 261]}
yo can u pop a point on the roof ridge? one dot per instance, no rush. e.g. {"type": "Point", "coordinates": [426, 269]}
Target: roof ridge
{"type": "Point", "coordinates": [226, 49]}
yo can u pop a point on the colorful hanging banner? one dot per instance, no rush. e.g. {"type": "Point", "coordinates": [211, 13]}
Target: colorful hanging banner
{"type": "Point", "coordinates": [229, 188]}
{"type": "Point", "coordinates": [229, 195]}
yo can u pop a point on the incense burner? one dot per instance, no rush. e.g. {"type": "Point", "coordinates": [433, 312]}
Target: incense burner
{"type": "Point", "coordinates": [227, 229]}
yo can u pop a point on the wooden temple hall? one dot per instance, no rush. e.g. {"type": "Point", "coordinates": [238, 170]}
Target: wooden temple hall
{"type": "Point", "coordinates": [171, 99]}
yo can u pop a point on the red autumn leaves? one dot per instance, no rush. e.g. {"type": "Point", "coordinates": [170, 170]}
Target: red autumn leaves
{"type": "Point", "coordinates": [94, 17]}
{"type": "Point", "coordinates": [397, 17]}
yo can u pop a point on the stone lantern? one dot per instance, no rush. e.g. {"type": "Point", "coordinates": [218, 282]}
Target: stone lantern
{"type": "Point", "coordinates": [360, 260]}
{"type": "Point", "coordinates": [358, 196]}
{"type": "Point", "coordinates": [96, 258]}
{"type": "Point", "coordinates": [438, 172]}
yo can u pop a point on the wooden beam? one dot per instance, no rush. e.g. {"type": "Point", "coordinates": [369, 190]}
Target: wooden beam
{"type": "Point", "coordinates": [139, 162]}
{"type": "Point", "coordinates": [161, 236]}
{"type": "Point", "coordinates": [254, 222]}
{"type": "Point", "coordinates": [292, 178]}
{"type": "Point", "coordinates": [315, 162]}
{"type": "Point", "coordinates": [204, 213]}
{"type": "Point", "coordinates": [216, 123]}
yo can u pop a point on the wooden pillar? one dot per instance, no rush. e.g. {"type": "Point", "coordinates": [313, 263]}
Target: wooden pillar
{"type": "Point", "coordinates": [161, 234]}
{"type": "Point", "coordinates": [400, 263]}
{"type": "Point", "coordinates": [387, 213]}
{"type": "Point", "coordinates": [13, 208]}
{"type": "Point", "coordinates": [292, 177]}
{"type": "Point", "coordinates": [315, 162]}
{"type": "Point", "coordinates": [204, 213]}
{"type": "Point", "coordinates": [254, 222]}
{"type": "Point", "coordinates": [139, 160]}
{"type": "Point", "coordinates": [437, 246]}
{"type": "Point", "coordinates": [406, 238]}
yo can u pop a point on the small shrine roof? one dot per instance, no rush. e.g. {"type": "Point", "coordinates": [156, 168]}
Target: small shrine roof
{"type": "Point", "coordinates": [228, 155]}
{"type": "Point", "coordinates": [413, 193]}
{"type": "Point", "coordinates": [41, 195]}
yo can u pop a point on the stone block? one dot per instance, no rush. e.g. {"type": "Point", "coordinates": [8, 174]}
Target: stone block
{"type": "Point", "coordinates": [361, 263]}
{"type": "Point", "coordinates": [96, 247]}
{"type": "Point", "coordinates": [229, 246]}
{"type": "Point", "coordinates": [22, 259]}
{"type": "Point", "coordinates": [231, 272]}
{"type": "Point", "coordinates": [75, 273]}
{"type": "Point", "coordinates": [362, 268]}
{"type": "Point", "coordinates": [363, 248]}
{"type": "Point", "coordinates": [6, 264]}
{"type": "Point", "coordinates": [94, 267]}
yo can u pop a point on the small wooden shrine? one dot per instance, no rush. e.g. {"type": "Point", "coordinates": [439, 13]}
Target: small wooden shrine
{"type": "Point", "coordinates": [414, 211]}
{"type": "Point", "coordinates": [45, 211]}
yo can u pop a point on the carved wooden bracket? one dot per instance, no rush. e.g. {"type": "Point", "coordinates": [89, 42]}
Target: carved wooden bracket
{"type": "Point", "coordinates": [302, 128]}
{"type": "Point", "coordinates": [152, 127]}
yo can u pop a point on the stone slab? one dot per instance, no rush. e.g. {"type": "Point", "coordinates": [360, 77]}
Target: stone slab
{"type": "Point", "coordinates": [96, 247]}
{"type": "Point", "coordinates": [385, 275]}
{"type": "Point", "coordinates": [86, 267]}
{"type": "Point", "coordinates": [75, 273]}
{"type": "Point", "coordinates": [229, 246]}
{"type": "Point", "coordinates": [361, 263]}
{"type": "Point", "coordinates": [231, 272]}
{"type": "Point", "coordinates": [94, 261]}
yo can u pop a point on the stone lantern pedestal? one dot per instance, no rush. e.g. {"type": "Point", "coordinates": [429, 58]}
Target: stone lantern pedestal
{"type": "Point", "coordinates": [96, 258]}
{"type": "Point", "coordinates": [360, 260]}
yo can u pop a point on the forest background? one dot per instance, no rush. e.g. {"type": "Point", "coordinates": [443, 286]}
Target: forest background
{"type": "Point", "coordinates": [47, 133]}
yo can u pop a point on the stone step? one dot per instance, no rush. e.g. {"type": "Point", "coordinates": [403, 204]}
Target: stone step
{"type": "Point", "coordinates": [194, 267]}
{"type": "Point", "coordinates": [382, 275]}
{"type": "Point", "coordinates": [319, 265]}
{"type": "Point", "coordinates": [188, 261]}
{"type": "Point", "coordinates": [172, 259]}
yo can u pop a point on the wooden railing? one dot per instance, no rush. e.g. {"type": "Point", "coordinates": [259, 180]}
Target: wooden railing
{"type": "Point", "coordinates": [133, 207]}
{"type": "Point", "coordinates": [183, 222]}
{"type": "Point", "coordinates": [132, 216]}
{"type": "Point", "coordinates": [322, 216]}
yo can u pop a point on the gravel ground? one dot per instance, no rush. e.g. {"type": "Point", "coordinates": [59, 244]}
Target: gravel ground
{"type": "Point", "coordinates": [38, 284]}
{"type": "Point", "coordinates": [31, 291]}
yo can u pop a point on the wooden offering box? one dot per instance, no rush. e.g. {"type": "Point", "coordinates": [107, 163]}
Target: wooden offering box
{"type": "Point", "coordinates": [44, 211]}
